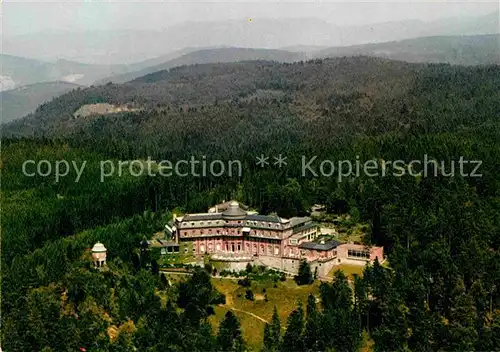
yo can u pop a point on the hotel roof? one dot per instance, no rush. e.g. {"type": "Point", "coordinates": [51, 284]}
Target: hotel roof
{"type": "Point", "coordinates": [165, 243]}
{"type": "Point", "coordinates": [320, 246]}
{"type": "Point", "coordinates": [235, 212]}
{"type": "Point", "coordinates": [299, 220]}
{"type": "Point", "coordinates": [306, 226]}
{"type": "Point", "coordinates": [266, 218]}
{"type": "Point", "coordinates": [202, 216]}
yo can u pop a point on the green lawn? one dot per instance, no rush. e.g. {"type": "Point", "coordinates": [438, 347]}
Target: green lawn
{"type": "Point", "coordinates": [179, 259]}
{"type": "Point", "coordinates": [348, 269]}
{"type": "Point", "coordinates": [285, 297]}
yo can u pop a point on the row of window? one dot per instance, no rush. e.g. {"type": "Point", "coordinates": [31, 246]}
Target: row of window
{"type": "Point", "coordinates": [237, 248]}
{"type": "Point", "coordinates": [171, 250]}
{"type": "Point", "coordinates": [250, 239]}
{"type": "Point", "coordinates": [221, 222]}
{"type": "Point", "coordinates": [229, 232]}
{"type": "Point", "coordinates": [358, 254]}
{"type": "Point", "coordinates": [262, 224]}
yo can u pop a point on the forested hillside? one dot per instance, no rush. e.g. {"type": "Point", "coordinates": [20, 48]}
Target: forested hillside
{"type": "Point", "coordinates": [458, 50]}
{"type": "Point", "coordinates": [441, 233]}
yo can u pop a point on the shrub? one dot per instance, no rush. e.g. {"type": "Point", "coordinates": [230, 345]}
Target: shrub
{"type": "Point", "coordinates": [249, 268]}
{"type": "Point", "coordinates": [208, 268]}
{"type": "Point", "coordinates": [244, 282]}
{"type": "Point", "coordinates": [249, 295]}
{"type": "Point", "coordinates": [218, 298]}
{"type": "Point", "coordinates": [210, 310]}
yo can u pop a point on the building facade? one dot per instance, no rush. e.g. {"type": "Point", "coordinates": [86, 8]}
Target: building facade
{"type": "Point", "coordinates": [238, 236]}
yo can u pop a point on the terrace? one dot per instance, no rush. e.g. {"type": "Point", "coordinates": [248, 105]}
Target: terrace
{"type": "Point", "coordinates": [232, 257]}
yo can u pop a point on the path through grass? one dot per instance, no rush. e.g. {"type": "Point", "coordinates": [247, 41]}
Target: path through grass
{"type": "Point", "coordinates": [254, 314]}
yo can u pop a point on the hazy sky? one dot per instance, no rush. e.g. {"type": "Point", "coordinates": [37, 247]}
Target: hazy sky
{"type": "Point", "coordinates": [22, 17]}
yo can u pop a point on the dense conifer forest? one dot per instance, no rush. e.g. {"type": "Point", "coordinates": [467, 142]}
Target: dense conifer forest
{"type": "Point", "coordinates": [441, 233]}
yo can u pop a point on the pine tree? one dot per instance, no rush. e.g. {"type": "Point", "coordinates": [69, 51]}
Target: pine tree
{"type": "Point", "coordinates": [195, 296]}
{"type": "Point", "coordinates": [229, 337]}
{"type": "Point", "coordinates": [361, 301]}
{"type": "Point", "coordinates": [304, 276]}
{"type": "Point", "coordinates": [392, 334]}
{"type": "Point", "coordinates": [312, 337]}
{"type": "Point", "coordinates": [272, 333]}
{"type": "Point", "coordinates": [293, 340]}
{"type": "Point", "coordinates": [339, 324]}
{"type": "Point", "coordinates": [378, 279]}
{"type": "Point", "coordinates": [268, 342]}
{"type": "Point", "coordinates": [462, 328]}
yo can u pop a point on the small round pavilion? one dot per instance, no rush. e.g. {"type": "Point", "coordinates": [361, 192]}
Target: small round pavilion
{"type": "Point", "coordinates": [99, 255]}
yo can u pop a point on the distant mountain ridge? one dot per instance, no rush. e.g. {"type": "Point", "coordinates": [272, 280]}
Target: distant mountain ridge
{"type": "Point", "coordinates": [207, 56]}
{"type": "Point", "coordinates": [22, 71]}
{"type": "Point", "coordinates": [457, 50]}
{"type": "Point", "coordinates": [127, 47]}
{"type": "Point", "coordinates": [461, 50]}
{"type": "Point", "coordinates": [22, 101]}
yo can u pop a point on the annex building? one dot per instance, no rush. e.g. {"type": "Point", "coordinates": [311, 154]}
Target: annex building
{"type": "Point", "coordinates": [231, 233]}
